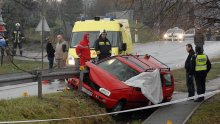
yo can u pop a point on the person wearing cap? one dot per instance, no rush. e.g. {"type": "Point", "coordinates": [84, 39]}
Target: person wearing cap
{"type": "Point", "coordinates": [200, 68]}
{"type": "Point", "coordinates": [17, 37]}
{"type": "Point", "coordinates": [83, 51]}
{"type": "Point", "coordinates": [103, 46]}
{"type": "Point", "coordinates": [199, 39]}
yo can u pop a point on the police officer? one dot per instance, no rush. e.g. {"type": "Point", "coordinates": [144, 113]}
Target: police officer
{"type": "Point", "coordinates": [103, 46]}
{"type": "Point", "coordinates": [17, 37]}
{"type": "Point", "coordinates": [189, 76]}
{"type": "Point", "coordinates": [200, 67]}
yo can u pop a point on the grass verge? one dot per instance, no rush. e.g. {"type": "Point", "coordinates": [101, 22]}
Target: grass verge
{"type": "Point", "coordinates": [57, 105]}
{"type": "Point", "coordinates": [26, 65]}
{"type": "Point", "coordinates": [180, 78]}
{"type": "Point", "coordinates": [208, 112]}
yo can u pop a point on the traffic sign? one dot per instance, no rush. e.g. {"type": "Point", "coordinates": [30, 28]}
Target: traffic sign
{"type": "Point", "coordinates": [45, 25]}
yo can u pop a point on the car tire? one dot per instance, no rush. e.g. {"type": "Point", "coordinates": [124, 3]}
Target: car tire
{"type": "Point", "coordinates": [118, 107]}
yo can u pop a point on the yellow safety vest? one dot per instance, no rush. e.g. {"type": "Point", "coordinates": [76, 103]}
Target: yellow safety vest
{"type": "Point", "coordinates": [201, 61]}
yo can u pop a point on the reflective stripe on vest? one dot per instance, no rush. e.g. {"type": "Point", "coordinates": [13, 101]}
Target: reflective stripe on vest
{"type": "Point", "coordinates": [201, 61]}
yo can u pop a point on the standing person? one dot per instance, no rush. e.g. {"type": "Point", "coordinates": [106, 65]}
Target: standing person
{"type": "Point", "coordinates": [189, 76]}
{"type": "Point", "coordinates": [61, 51]}
{"type": "Point", "coordinates": [199, 39]}
{"type": "Point", "coordinates": [103, 46]}
{"type": "Point", "coordinates": [200, 67]}
{"type": "Point", "coordinates": [208, 34]}
{"type": "Point", "coordinates": [83, 51]}
{"type": "Point", "coordinates": [17, 37]}
{"type": "Point", "coordinates": [50, 53]}
{"type": "Point", "coordinates": [3, 44]}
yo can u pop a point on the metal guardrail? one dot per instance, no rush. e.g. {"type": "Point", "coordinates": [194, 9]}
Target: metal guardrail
{"type": "Point", "coordinates": [25, 77]}
{"type": "Point", "coordinates": [38, 75]}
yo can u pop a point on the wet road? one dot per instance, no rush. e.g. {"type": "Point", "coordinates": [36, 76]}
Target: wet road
{"type": "Point", "coordinates": [15, 91]}
{"type": "Point", "coordinates": [174, 53]}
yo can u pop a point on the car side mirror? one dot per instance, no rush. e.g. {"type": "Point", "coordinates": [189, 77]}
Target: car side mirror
{"type": "Point", "coordinates": [123, 47]}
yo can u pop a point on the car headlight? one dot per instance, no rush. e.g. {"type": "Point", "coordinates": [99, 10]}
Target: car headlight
{"type": "Point", "coordinates": [71, 60]}
{"type": "Point", "coordinates": [180, 36]}
{"type": "Point", "coordinates": [165, 36]}
{"type": "Point", "coordinates": [104, 91]}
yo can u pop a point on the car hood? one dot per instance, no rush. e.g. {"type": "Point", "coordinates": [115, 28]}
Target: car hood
{"type": "Point", "coordinates": [104, 79]}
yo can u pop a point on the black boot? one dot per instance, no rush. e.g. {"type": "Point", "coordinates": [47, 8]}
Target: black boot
{"type": "Point", "coordinates": [21, 53]}
{"type": "Point", "coordinates": [200, 99]}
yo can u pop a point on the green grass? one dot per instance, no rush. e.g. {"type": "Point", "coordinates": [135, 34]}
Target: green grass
{"type": "Point", "coordinates": [26, 65]}
{"type": "Point", "coordinates": [208, 112]}
{"type": "Point", "coordinates": [57, 105]}
{"type": "Point", "coordinates": [180, 77]}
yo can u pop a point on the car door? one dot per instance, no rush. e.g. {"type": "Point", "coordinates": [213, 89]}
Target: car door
{"type": "Point", "coordinates": [138, 99]}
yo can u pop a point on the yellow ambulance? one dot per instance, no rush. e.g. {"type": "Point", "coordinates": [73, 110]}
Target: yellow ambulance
{"type": "Point", "coordinates": [118, 33]}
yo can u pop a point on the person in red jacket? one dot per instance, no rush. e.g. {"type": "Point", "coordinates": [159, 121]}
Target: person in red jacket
{"type": "Point", "coordinates": [83, 51]}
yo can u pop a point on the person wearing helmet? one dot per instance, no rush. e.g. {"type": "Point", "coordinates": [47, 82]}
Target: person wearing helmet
{"type": "Point", "coordinates": [103, 46]}
{"type": "Point", "coordinates": [17, 37]}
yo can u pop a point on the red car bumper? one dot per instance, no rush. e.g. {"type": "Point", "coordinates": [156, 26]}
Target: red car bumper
{"type": "Point", "coordinates": [107, 101]}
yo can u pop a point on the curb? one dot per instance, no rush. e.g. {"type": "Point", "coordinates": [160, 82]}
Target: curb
{"type": "Point", "coordinates": [188, 117]}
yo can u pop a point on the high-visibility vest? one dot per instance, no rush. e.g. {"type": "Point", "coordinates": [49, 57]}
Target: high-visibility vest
{"type": "Point", "coordinates": [201, 61]}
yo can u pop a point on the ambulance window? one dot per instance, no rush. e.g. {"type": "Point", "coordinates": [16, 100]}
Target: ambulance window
{"type": "Point", "coordinates": [120, 70]}
{"type": "Point", "coordinates": [113, 37]}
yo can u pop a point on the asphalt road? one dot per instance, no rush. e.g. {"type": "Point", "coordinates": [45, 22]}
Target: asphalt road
{"type": "Point", "coordinates": [174, 53]}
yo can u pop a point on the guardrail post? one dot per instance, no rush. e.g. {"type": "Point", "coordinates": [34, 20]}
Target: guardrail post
{"type": "Point", "coordinates": [39, 78]}
{"type": "Point", "coordinates": [80, 80]}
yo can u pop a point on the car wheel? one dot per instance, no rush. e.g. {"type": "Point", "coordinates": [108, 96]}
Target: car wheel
{"type": "Point", "coordinates": [118, 107]}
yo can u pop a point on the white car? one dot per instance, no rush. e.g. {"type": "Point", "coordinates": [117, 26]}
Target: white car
{"type": "Point", "coordinates": [189, 34]}
{"type": "Point", "coordinates": [174, 34]}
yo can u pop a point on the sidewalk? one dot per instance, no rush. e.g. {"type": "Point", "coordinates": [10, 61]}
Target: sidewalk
{"type": "Point", "coordinates": [179, 113]}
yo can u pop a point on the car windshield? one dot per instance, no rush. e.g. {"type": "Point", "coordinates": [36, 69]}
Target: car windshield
{"type": "Point", "coordinates": [120, 70]}
{"type": "Point", "coordinates": [113, 36]}
{"type": "Point", "coordinates": [190, 31]}
{"type": "Point", "coordinates": [174, 31]}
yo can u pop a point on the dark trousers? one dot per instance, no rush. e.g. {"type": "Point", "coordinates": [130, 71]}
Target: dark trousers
{"type": "Point", "coordinates": [51, 60]}
{"type": "Point", "coordinates": [15, 47]}
{"type": "Point", "coordinates": [200, 83]}
{"type": "Point", "coordinates": [190, 85]}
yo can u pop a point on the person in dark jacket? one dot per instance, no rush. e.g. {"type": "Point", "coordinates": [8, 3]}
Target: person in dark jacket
{"type": "Point", "coordinates": [83, 51]}
{"type": "Point", "coordinates": [200, 68]}
{"type": "Point", "coordinates": [50, 53]}
{"type": "Point", "coordinates": [199, 39]}
{"type": "Point", "coordinates": [189, 76]}
{"type": "Point", "coordinates": [103, 46]}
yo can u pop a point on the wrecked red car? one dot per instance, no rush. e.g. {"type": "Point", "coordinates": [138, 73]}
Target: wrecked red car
{"type": "Point", "coordinates": [104, 81]}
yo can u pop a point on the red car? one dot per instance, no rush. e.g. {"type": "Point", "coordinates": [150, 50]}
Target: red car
{"type": "Point", "coordinates": [104, 81]}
